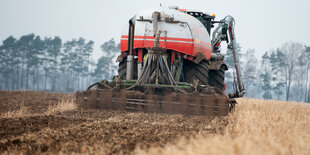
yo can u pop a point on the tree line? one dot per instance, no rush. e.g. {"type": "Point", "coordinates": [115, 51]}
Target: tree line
{"type": "Point", "coordinates": [281, 74]}
{"type": "Point", "coordinates": [49, 64]}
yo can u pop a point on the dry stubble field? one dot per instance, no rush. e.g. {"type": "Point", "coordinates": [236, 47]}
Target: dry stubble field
{"type": "Point", "coordinates": [37, 122]}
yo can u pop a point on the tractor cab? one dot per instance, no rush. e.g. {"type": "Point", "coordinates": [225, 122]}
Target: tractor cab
{"type": "Point", "coordinates": [204, 18]}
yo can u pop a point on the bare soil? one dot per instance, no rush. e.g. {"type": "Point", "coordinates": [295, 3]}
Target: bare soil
{"type": "Point", "coordinates": [89, 130]}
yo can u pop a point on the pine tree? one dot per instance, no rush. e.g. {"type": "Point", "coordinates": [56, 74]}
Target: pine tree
{"type": "Point", "coordinates": [9, 61]}
{"type": "Point", "coordinates": [53, 51]}
{"type": "Point", "coordinates": [106, 67]}
{"type": "Point", "coordinates": [35, 60]}
{"type": "Point", "coordinates": [266, 77]}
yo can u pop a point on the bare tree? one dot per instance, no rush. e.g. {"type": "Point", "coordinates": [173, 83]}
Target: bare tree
{"type": "Point", "coordinates": [291, 52]}
{"type": "Point", "coordinates": [307, 57]}
{"type": "Point", "coordinates": [249, 70]}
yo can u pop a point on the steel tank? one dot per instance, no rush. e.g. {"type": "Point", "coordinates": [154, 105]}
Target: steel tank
{"type": "Point", "coordinates": [180, 32]}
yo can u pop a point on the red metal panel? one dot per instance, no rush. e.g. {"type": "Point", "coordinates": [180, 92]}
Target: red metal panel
{"type": "Point", "coordinates": [172, 57]}
{"type": "Point", "coordinates": [182, 45]}
{"type": "Point", "coordinates": [124, 45]}
{"type": "Point", "coordinates": [140, 55]}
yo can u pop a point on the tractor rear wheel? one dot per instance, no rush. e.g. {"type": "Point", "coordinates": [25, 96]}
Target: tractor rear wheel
{"type": "Point", "coordinates": [122, 69]}
{"type": "Point", "coordinates": [194, 71]}
{"type": "Point", "coordinates": [217, 77]}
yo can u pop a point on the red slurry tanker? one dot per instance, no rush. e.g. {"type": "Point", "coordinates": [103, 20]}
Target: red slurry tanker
{"type": "Point", "coordinates": [170, 62]}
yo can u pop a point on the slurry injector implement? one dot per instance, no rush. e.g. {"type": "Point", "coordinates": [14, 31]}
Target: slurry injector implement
{"type": "Point", "coordinates": [170, 64]}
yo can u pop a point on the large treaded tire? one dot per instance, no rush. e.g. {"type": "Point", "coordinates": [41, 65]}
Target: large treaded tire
{"type": "Point", "coordinates": [122, 69]}
{"type": "Point", "coordinates": [194, 71]}
{"type": "Point", "coordinates": [217, 77]}
{"type": "Point", "coordinates": [122, 66]}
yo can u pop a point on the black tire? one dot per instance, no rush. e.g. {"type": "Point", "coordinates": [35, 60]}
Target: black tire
{"type": "Point", "coordinates": [122, 69]}
{"type": "Point", "coordinates": [194, 71]}
{"type": "Point", "coordinates": [217, 78]}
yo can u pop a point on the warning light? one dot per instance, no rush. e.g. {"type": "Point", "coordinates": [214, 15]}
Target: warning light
{"type": "Point", "coordinates": [213, 15]}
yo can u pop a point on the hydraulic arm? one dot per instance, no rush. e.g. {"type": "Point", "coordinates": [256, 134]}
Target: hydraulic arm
{"type": "Point", "coordinates": [225, 32]}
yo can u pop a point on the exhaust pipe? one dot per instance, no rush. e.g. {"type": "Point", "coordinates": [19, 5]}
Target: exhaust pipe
{"type": "Point", "coordinates": [130, 57]}
{"type": "Point", "coordinates": [129, 70]}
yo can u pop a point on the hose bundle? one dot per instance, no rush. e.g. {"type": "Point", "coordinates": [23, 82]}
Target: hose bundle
{"type": "Point", "coordinates": [156, 62]}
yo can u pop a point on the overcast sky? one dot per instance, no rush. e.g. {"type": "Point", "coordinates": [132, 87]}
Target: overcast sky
{"type": "Point", "coordinates": [260, 24]}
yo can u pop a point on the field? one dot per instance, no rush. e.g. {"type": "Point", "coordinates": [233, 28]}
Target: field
{"type": "Point", "coordinates": [37, 122]}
